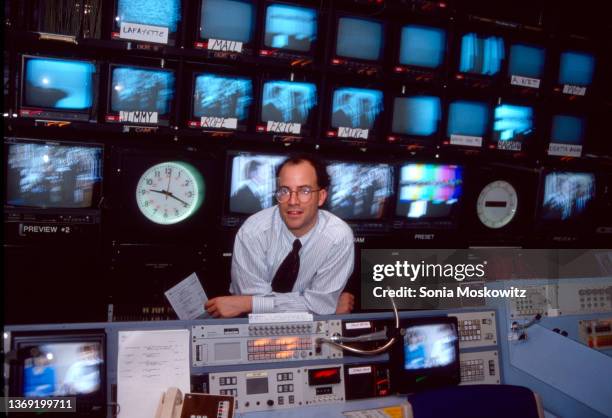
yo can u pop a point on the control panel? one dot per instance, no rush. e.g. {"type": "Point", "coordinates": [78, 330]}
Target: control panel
{"type": "Point", "coordinates": [264, 390]}
{"type": "Point", "coordinates": [537, 300]}
{"type": "Point", "coordinates": [479, 368]}
{"type": "Point", "coordinates": [214, 345]}
{"type": "Point", "coordinates": [577, 298]}
{"type": "Point", "coordinates": [476, 329]}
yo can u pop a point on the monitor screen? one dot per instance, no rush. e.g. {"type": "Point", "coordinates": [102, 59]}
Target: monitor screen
{"type": "Point", "coordinates": [467, 118]}
{"type": "Point", "coordinates": [567, 129]}
{"type": "Point", "coordinates": [512, 123]}
{"type": "Point", "coordinates": [139, 89]}
{"type": "Point", "coordinates": [481, 55]}
{"type": "Point", "coordinates": [356, 107]}
{"type": "Point", "coordinates": [229, 20]}
{"type": "Point", "coordinates": [416, 115]}
{"type": "Point", "coordinates": [53, 175]}
{"type": "Point", "coordinates": [63, 369]}
{"type": "Point", "coordinates": [576, 68]}
{"type": "Point", "coordinates": [422, 46]}
{"type": "Point", "coordinates": [359, 38]}
{"type": "Point", "coordinates": [58, 84]}
{"type": "Point", "coordinates": [567, 195]}
{"type": "Point", "coordinates": [164, 13]}
{"type": "Point", "coordinates": [288, 101]}
{"type": "Point", "coordinates": [290, 27]}
{"type": "Point", "coordinates": [526, 61]}
{"type": "Point", "coordinates": [221, 96]}
{"type": "Point", "coordinates": [253, 182]}
{"type": "Point", "coordinates": [359, 190]}
{"type": "Point", "coordinates": [428, 190]}
{"type": "Point", "coordinates": [429, 346]}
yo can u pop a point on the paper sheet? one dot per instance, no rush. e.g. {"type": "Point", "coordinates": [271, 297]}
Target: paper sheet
{"type": "Point", "coordinates": [188, 298]}
{"type": "Point", "coordinates": [150, 362]}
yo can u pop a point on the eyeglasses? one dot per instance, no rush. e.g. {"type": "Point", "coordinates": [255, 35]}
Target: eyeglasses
{"type": "Point", "coordinates": [304, 194]}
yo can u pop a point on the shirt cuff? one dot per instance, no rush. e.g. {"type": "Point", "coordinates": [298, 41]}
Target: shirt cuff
{"type": "Point", "coordinates": [262, 304]}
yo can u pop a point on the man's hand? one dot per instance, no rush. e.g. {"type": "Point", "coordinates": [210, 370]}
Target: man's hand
{"type": "Point", "coordinates": [346, 303]}
{"type": "Point", "coordinates": [229, 306]}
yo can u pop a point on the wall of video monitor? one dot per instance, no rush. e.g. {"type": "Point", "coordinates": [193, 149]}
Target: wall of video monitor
{"type": "Point", "coordinates": [428, 117]}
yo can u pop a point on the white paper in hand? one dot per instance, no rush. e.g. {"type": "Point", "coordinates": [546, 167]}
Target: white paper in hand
{"type": "Point", "coordinates": [188, 298]}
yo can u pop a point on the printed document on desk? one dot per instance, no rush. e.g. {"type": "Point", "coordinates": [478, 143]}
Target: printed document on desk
{"type": "Point", "coordinates": [188, 298]}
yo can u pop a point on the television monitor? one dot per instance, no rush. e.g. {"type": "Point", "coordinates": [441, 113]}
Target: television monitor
{"type": "Point", "coordinates": [63, 17]}
{"type": "Point", "coordinates": [155, 21]}
{"type": "Point", "coordinates": [567, 196]}
{"type": "Point", "coordinates": [359, 43]}
{"type": "Point", "coordinates": [526, 65]}
{"type": "Point", "coordinates": [416, 117]}
{"type": "Point", "coordinates": [427, 354]}
{"type": "Point", "coordinates": [59, 364]}
{"type": "Point", "coordinates": [58, 88]}
{"type": "Point", "coordinates": [468, 122]}
{"type": "Point", "coordinates": [513, 126]}
{"type": "Point", "coordinates": [356, 113]}
{"type": "Point", "coordinates": [481, 54]}
{"type": "Point", "coordinates": [140, 95]}
{"type": "Point", "coordinates": [287, 107]}
{"type": "Point", "coordinates": [251, 182]}
{"type": "Point", "coordinates": [226, 25]}
{"type": "Point", "coordinates": [567, 135]}
{"type": "Point", "coordinates": [359, 191]}
{"type": "Point", "coordinates": [290, 31]}
{"type": "Point", "coordinates": [422, 50]}
{"type": "Point", "coordinates": [576, 69]}
{"type": "Point", "coordinates": [428, 195]}
{"type": "Point", "coordinates": [221, 101]}
{"type": "Point", "coordinates": [50, 176]}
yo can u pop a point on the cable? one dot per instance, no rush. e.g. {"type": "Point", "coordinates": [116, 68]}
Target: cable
{"type": "Point", "coordinates": [338, 340]}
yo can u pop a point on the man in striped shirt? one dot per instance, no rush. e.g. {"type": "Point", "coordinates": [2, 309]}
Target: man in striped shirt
{"type": "Point", "coordinates": [322, 241]}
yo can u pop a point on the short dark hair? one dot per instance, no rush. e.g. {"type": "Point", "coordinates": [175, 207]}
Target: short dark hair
{"type": "Point", "coordinates": [320, 170]}
{"type": "Point", "coordinates": [251, 167]}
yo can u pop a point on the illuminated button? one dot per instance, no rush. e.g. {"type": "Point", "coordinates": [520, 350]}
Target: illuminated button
{"type": "Point", "coordinates": [290, 376]}
{"type": "Point", "coordinates": [280, 388]}
{"type": "Point", "coordinates": [291, 399]}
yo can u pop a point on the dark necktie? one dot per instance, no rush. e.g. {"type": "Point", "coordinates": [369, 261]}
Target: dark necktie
{"type": "Point", "coordinates": [287, 273]}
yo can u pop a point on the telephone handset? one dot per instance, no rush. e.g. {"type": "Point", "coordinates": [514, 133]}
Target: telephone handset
{"type": "Point", "coordinates": [170, 404]}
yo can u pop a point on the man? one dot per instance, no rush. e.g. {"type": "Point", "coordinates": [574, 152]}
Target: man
{"type": "Point", "coordinates": [293, 256]}
{"type": "Point", "coordinates": [247, 198]}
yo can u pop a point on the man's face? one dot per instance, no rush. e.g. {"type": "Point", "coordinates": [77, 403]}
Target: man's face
{"type": "Point", "coordinates": [300, 217]}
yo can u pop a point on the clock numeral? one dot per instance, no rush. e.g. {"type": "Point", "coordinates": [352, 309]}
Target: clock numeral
{"type": "Point", "coordinates": [165, 214]}
{"type": "Point", "coordinates": [143, 191]}
{"type": "Point", "coordinates": [168, 171]}
{"type": "Point", "coordinates": [189, 194]}
{"type": "Point", "coordinates": [178, 174]}
{"type": "Point", "coordinates": [149, 182]}
{"type": "Point", "coordinates": [187, 183]}
{"type": "Point", "coordinates": [157, 173]}
{"type": "Point", "coordinates": [176, 212]}
{"type": "Point", "coordinates": [146, 203]}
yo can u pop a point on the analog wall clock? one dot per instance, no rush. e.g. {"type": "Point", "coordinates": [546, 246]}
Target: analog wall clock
{"type": "Point", "coordinates": [497, 204]}
{"type": "Point", "coordinates": [170, 192]}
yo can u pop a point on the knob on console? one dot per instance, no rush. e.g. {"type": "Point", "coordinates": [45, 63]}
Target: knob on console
{"type": "Point", "coordinates": [270, 402]}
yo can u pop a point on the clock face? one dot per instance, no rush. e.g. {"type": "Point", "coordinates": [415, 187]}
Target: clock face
{"type": "Point", "coordinates": [497, 204]}
{"type": "Point", "coordinates": [170, 192]}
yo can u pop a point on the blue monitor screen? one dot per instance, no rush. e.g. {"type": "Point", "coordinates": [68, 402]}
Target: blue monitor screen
{"type": "Point", "coordinates": [429, 346]}
{"type": "Point", "coordinates": [423, 46]}
{"type": "Point", "coordinates": [253, 182]}
{"type": "Point", "coordinates": [359, 38]}
{"type": "Point", "coordinates": [59, 84]}
{"type": "Point", "coordinates": [428, 190]}
{"type": "Point", "coordinates": [356, 108]}
{"type": "Point", "coordinates": [288, 101]}
{"type": "Point", "coordinates": [576, 68]}
{"type": "Point", "coordinates": [164, 13]}
{"type": "Point", "coordinates": [223, 97]}
{"type": "Point", "coordinates": [567, 195]}
{"type": "Point", "coordinates": [229, 20]}
{"type": "Point", "coordinates": [358, 190]}
{"type": "Point", "coordinates": [567, 129]}
{"type": "Point", "coordinates": [526, 61]}
{"type": "Point", "coordinates": [290, 27]}
{"type": "Point", "coordinates": [480, 55]}
{"type": "Point", "coordinates": [53, 176]}
{"type": "Point", "coordinates": [137, 89]}
{"type": "Point", "coordinates": [416, 115]}
{"type": "Point", "coordinates": [512, 123]}
{"type": "Point", "coordinates": [467, 118]}
{"type": "Point", "coordinates": [63, 369]}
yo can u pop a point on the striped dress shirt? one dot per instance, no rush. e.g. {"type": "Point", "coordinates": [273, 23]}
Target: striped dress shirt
{"type": "Point", "coordinates": [326, 262]}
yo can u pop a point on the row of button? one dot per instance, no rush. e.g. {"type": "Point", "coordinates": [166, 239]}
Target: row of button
{"type": "Point", "coordinates": [284, 376]}
{"type": "Point", "coordinates": [268, 348]}
{"type": "Point", "coordinates": [280, 329]}
{"type": "Point", "coordinates": [229, 392]}
{"type": "Point", "coordinates": [290, 399]}
{"type": "Point", "coordinates": [284, 388]}
{"type": "Point", "coordinates": [278, 356]}
{"type": "Point", "coordinates": [224, 381]}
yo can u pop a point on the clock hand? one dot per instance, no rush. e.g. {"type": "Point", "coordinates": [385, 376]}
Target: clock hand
{"type": "Point", "coordinates": [168, 188]}
{"type": "Point", "coordinates": [159, 191]}
{"type": "Point", "coordinates": [180, 200]}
